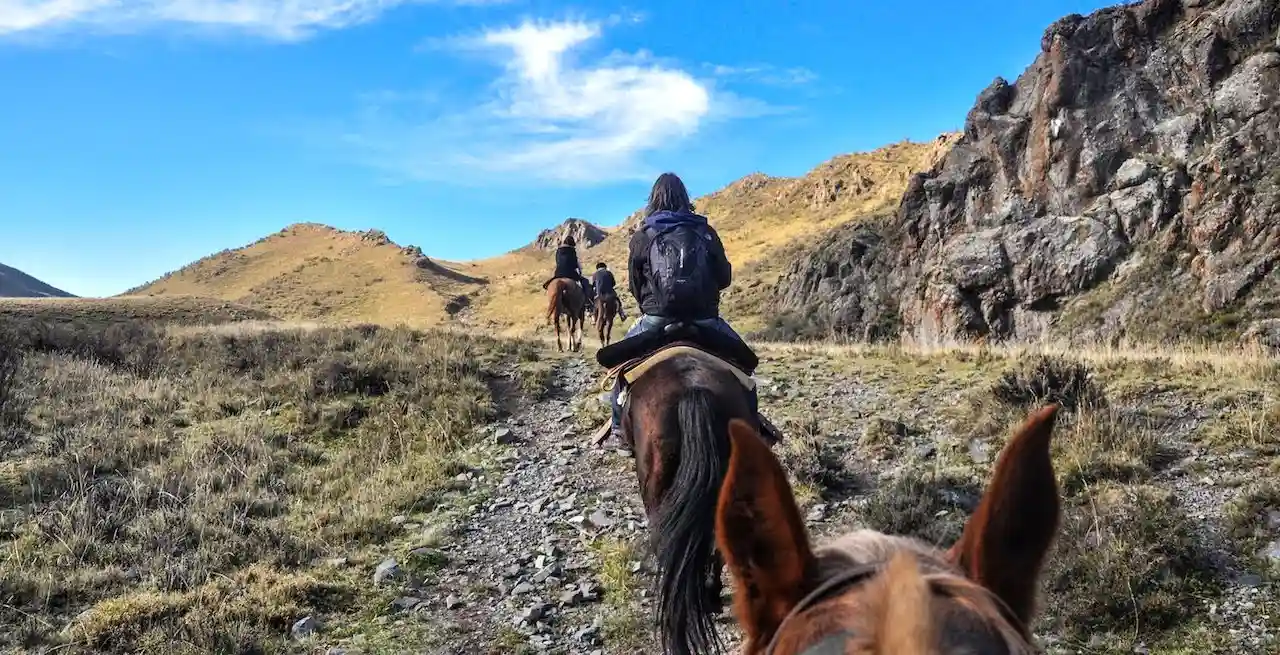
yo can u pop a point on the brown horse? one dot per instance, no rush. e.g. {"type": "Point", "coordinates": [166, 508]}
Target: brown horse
{"type": "Point", "coordinates": [606, 310]}
{"type": "Point", "coordinates": [565, 298]}
{"type": "Point", "coordinates": [677, 421]}
{"type": "Point", "coordinates": [873, 593]}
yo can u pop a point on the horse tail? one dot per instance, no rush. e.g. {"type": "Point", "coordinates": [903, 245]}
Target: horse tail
{"type": "Point", "coordinates": [684, 533]}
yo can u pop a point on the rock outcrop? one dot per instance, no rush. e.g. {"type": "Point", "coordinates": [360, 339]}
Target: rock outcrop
{"type": "Point", "coordinates": [1127, 184]}
{"type": "Point", "coordinates": [584, 233]}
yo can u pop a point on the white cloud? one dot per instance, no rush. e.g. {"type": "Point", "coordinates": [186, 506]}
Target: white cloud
{"type": "Point", "coordinates": [765, 74]}
{"type": "Point", "coordinates": [279, 19]}
{"type": "Point", "coordinates": [552, 115]}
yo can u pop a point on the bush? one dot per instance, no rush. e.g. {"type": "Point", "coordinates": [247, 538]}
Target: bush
{"type": "Point", "coordinates": [1049, 380]}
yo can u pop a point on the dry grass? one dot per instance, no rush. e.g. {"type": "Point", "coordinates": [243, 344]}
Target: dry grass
{"type": "Point", "coordinates": [175, 310]}
{"type": "Point", "coordinates": [309, 271]}
{"type": "Point", "coordinates": [176, 492]}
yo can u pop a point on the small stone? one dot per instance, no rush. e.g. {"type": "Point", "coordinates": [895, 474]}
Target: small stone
{"type": "Point", "coordinates": [601, 520]}
{"type": "Point", "coordinates": [540, 561]}
{"type": "Point", "coordinates": [1273, 519]}
{"type": "Point", "coordinates": [572, 597]}
{"type": "Point", "coordinates": [388, 569]}
{"type": "Point", "coordinates": [533, 614]}
{"type": "Point", "coordinates": [452, 602]}
{"type": "Point", "coordinates": [399, 520]}
{"type": "Point", "coordinates": [817, 513]}
{"type": "Point", "coordinates": [335, 650]}
{"type": "Point", "coordinates": [503, 437]}
{"type": "Point", "coordinates": [577, 520]}
{"type": "Point", "coordinates": [338, 562]}
{"type": "Point", "coordinates": [304, 628]}
{"type": "Point", "coordinates": [522, 589]}
{"type": "Point", "coordinates": [513, 571]}
{"type": "Point", "coordinates": [1272, 551]}
{"type": "Point", "coordinates": [979, 451]}
{"type": "Point", "coordinates": [553, 571]}
{"type": "Point", "coordinates": [405, 603]}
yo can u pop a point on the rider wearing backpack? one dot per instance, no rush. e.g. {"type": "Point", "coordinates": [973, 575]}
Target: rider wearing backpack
{"type": "Point", "coordinates": [677, 268]}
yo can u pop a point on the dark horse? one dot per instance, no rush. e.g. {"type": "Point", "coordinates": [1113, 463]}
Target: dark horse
{"type": "Point", "coordinates": [565, 298]}
{"type": "Point", "coordinates": [606, 310]}
{"type": "Point", "coordinates": [677, 420]}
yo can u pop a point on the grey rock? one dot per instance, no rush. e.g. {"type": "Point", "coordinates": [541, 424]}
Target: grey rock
{"type": "Point", "coordinates": [304, 628]}
{"type": "Point", "coordinates": [601, 520]}
{"type": "Point", "coordinates": [452, 602]}
{"type": "Point", "coordinates": [405, 603]}
{"type": "Point", "coordinates": [1139, 151]}
{"type": "Point", "coordinates": [387, 569]}
{"type": "Point", "coordinates": [522, 589]}
{"type": "Point", "coordinates": [1132, 173]}
{"type": "Point", "coordinates": [533, 614]}
{"type": "Point", "coordinates": [504, 437]}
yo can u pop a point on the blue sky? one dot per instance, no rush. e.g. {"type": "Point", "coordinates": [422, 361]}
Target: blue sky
{"type": "Point", "coordinates": [139, 135]}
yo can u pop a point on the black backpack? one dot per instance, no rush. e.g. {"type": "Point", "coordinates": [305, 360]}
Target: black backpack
{"type": "Point", "coordinates": [680, 260]}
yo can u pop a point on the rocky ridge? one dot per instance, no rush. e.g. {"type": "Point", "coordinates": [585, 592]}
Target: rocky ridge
{"type": "Point", "coordinates": [584, 234]}
{"type": "Point", "coordinates": [1129, 170]}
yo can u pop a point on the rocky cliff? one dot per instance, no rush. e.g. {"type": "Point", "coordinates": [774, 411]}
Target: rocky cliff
{"type": "Point", "coordinates": [1126, 185]}
{"type": "Point", "coordinates": [584, 234]}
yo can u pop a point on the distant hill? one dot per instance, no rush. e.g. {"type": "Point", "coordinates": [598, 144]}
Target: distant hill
{"type": "Point", "coordinates": [16, 284]}
{"type": "Point", "coordinates": [315, 272]}
{"type": "Point", "coordinates": [310, 271]}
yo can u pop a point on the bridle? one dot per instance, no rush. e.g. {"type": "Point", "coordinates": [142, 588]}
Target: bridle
{"type": "Point", "coordinates": [834, 643]}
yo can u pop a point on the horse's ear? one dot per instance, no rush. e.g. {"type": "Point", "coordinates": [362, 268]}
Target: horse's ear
{"type": "Point", "coordinates": [761, 536]}
{"type": "Point", "coordinates": [1006, 540]}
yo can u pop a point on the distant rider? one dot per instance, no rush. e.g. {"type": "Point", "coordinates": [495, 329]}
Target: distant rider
{"type": "Point", "coordinates": [567, 267]}
{"type": "Point", "coordinates": [606, 287]}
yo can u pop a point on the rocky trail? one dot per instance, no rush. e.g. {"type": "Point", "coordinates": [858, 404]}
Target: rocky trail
{"type": "Point", "coordinates": [547, 542]}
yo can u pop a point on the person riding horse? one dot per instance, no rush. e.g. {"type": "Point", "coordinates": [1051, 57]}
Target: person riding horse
{"type": "Point", "coordinates": [677, 268]}
{"type": "Point", "coordinates": [606, 287]}
{"type": "Point", "coordinates": [567, 267]}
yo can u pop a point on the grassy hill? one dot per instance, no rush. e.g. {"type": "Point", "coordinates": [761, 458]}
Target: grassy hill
{"type": "Point", "coordinates": [315, 272]}
{"type": "Point", "coordinates": [16, 284]}
{"type": "Point", "coordinates": [310, 271]}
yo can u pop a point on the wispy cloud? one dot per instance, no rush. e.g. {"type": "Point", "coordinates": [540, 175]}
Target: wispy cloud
{"type": "Point", "coordinates": [287, 20]}
{"type": "Point", "coordinates": [765, 74]}
{"type": "Point", "coordinates": [554, 114]}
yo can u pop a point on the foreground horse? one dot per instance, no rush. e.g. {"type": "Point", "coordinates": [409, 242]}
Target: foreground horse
{"type": "Point", "coordinates": [565, 298]}
{"type": "Point", "coordinates": [874, 593]}
{"type": "Point", "coordinates": [677, 421]}
{"type": "Point", "coordinates": [606, 310]}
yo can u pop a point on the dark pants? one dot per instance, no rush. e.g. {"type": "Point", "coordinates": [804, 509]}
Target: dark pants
{"type": "Point", "coordinates": [646, 322]}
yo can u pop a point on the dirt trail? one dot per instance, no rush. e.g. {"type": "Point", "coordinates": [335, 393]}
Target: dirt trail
{"type": "Point", "coordinates": [551, 525]}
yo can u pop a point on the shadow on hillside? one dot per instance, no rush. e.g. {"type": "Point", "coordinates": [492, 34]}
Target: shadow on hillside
{"type": "Point", "coordinates": [428, 264]}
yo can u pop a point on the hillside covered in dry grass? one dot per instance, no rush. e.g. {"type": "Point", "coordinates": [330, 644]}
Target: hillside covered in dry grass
{"type": "Point", "coordinates": [315, 272]}
{"type": "Point", "coordinates": [309, 271]}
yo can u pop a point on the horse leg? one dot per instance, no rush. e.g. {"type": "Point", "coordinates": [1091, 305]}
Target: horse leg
{"type": "Point", "coordinates": [559, 345]}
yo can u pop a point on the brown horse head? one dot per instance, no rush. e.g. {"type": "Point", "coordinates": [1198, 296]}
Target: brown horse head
{"type": "Point", "coordinates": [678, 419]}
{"type": "Point", "coordinates": [565, 298]}
{"type": "Point", "coordinates": [874, 593]}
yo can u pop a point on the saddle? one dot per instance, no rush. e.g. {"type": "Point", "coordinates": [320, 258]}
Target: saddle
{"type": "Point", "coordinates": [650, 342]}
{"type": "Point", "coordinates": [633, 357]}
